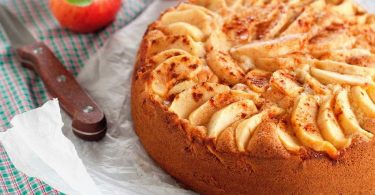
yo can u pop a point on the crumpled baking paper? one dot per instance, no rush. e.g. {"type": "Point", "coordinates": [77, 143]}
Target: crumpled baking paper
{"type": "Point", "coordinates": [38, 147]}
{"type": "Point", "coordinates": [116, 165]}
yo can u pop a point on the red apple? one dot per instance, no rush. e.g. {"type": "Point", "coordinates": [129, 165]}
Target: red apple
{"type": "Point", "coordinates": [85, 16]}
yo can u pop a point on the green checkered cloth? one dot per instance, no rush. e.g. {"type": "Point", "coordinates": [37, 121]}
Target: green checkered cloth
{"type": "Point", "coordinates": [22, 90]}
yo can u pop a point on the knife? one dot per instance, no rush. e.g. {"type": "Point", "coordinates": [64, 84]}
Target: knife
{"type": "Point", "coordinates": [89, 122]}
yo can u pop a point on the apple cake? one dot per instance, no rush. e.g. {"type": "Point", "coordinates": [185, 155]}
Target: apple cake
{"type": "Point", "coordinates": [260, 96]}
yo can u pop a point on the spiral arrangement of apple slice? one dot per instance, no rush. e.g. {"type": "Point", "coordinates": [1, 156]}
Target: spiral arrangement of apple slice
{"type": "Point", "coordinates": [305, 70]}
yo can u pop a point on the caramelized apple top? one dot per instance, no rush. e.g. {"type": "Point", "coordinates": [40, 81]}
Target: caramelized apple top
{"type": "Point", "coordinates": [282, 77]}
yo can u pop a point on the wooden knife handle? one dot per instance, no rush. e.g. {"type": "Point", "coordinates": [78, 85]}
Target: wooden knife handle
{"type": "Point", "coordinates": [89, 122]}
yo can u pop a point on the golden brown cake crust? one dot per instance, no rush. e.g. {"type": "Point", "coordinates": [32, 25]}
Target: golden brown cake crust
{"type": "Point", "coordinates": [184, 152]}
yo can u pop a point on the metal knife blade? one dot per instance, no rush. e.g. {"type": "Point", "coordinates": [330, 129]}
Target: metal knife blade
{"type": "Point", "coordinates": [89, 122]}
{"type": "Point", "coordinates": [14, 29]}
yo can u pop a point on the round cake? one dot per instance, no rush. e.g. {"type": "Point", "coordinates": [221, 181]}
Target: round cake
{"type": "Point", "coordinates": [260, 96]}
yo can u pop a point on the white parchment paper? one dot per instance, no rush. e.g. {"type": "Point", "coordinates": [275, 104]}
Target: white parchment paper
{"type": "Point", "coordinates": [117, 164]}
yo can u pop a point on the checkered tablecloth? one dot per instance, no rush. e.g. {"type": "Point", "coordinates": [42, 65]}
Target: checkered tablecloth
{"type": "Point", "coordinates": [22, 90]}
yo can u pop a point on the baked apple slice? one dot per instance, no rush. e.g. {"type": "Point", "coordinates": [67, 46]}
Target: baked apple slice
{"type": "Point", "coordinates": [228, 115]}
{"type": "Point", "coordinates": [327, 40]}
{"type": "Point", "coordinates": [174, 69]}
{"type": "Point", "coordinates": [258, 80]}
{"type": "Point", "coordinates": [276, 63]}
{"type": "Point", "coordinates": [344, 68]}
{"type": "Point", "coordinates": [371, 92]}
{"type": "Point", "coordinates": [190, 99]}
{"type": "Point", "coordinates": [306, 21]}
{"type": "Point", "coordinates": [303, 120]}
{"type": "Point", "coordinates": [315, 85]}
{"type": "Point", "coordinates": [202, 115]}
{"type": "Point", "coordinates": [360, 98]}
{"type": "Point", "coordinates": [188, 6]}
{"type": "Point", "coordinates": [329, 127]}
{"type": "Point", "coordinates": [164, 55]}
{"type": "Point", "coordinates": [220, 61]}
{"type": "Point", "coordinates": [286, 83]}
{"type": "Point", "coordinates": [180, 87]}
{"type": "Point", "coordinates": [246, 127]}
{"type": "Point", "coordinates": [341, 55]}
{"type": "Point", "coordinates": [289, 141]}
{"type": "Point", "coordinates": [346, 7]}
{"type": "Point", "coordinates": [225, 67]}
{"type": "Point", "coordinates": [346, 117]}
{"type": "Point", "coordinates": [217, 5]}
{"type": "Point", "coordinates": [328, 77]}
{"type": "Point", "coordinates": [195, 17]}
{"type": "Point", "coordinates": [269, 48]}
{"type": "Point", "coordinates": [182, 28]}
{"type": "Point", "coordinates": [182, 42]}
